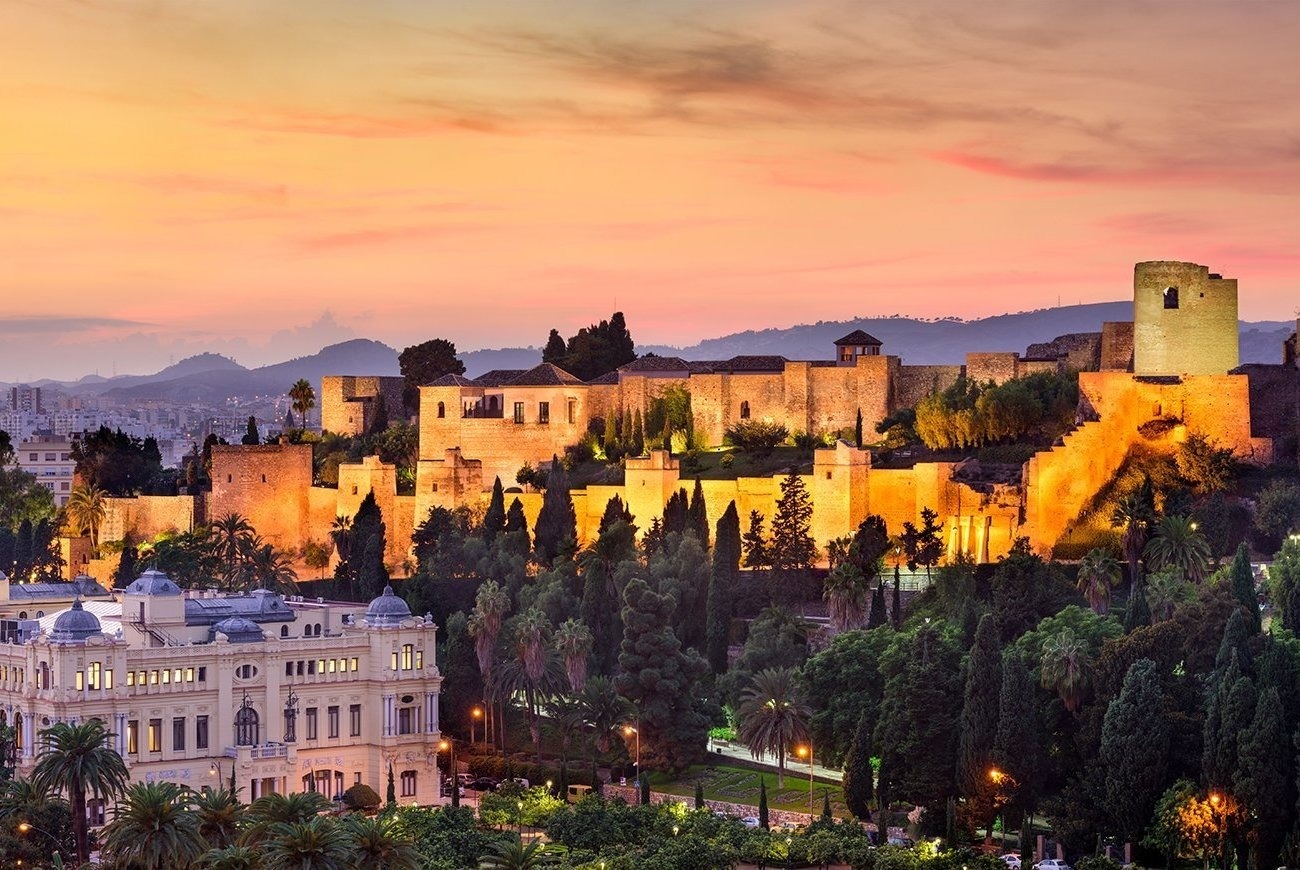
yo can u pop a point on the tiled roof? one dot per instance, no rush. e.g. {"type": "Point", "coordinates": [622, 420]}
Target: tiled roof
{"type": "Point", "coordinates": [651, 363]}
{"type": "Point", "coordinates": [454, 381]}
{"type": "Point", "coordinates": [545, 375]}
{"type": "Point", "coordinates": [498, 377]}
{"type": "Point", "coordinates": [857, 336]}
{"type": "Point", "coordinates": [606, 378]}
{"type": "Point", "coordinates": [770, 363]}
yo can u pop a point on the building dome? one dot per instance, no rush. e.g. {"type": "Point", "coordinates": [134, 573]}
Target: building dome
{"type": "Point", "coordinates": [237, 629]}
{"type": "Point", "coordinates": [387, 610]}
{"type": "Point", "coordinates": [153, 582]}
{"type": "Point", "coordinates": [75, 624]}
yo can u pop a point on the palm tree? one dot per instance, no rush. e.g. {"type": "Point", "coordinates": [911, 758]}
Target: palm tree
{"type": "Point", "coordinates": [1065, 667]}
{"type": "Point", "coordinates": [79, 760]}
{"type": "Point", "coordinates": [1134, 514]}
{"type": "Point", "coordinates": [847, 596]}
{"type": "Point", "coordinates": [319, 843]}
{"type": "Point", "coordinates": [153, 828]}
{"type": "Point", "coordinates": [514, 855]}
{"type": "Point", "coordinates": [231, 537]}
{"type": "Point", "coordinates": [304, 399]}
{"type": "Point", "coordinates": [341, 535]}
{"type": "Point", "coordinates": [1165, 590]}
{"type": "Point", "coordinates": [280, 809]}
{"type": "Point", "coordinates": [536, 671]}
{"type": "Point", "coordinates": [230, 858]}
{"type": "Point", "coordinates": [491, 604]}
{"type": "Point", "coordinates": [86, 508]}
{"type": "Point", "coordinates": [377, 844]}
{"type": "Point", "coordinates": [219, 814]}
{"type": "Point", "coordinates": [1098, 572]}
{"type": "Point", "coordinates": [773, 715]}
{"type": "Point", "coordinates": [1177, 543]}
{"type": "Point", "coordinates": [573, 641]}
{"type": "Point", "coordinates": [603, 710]}
{"type": "Point", "coordinates": [269, 568]}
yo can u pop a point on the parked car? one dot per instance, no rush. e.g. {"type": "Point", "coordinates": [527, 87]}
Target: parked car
{"type": "Point", "coordinates": [1052, 864]}
{"type": "Point", "coordinates": [465, 778]}
{"type": "Point", "coordinates": [1012, 860]}
{"type": "Point", "coordinates": [483, 783]}
{"type": "Point", "coordinates": [750, 821]}
{"type": "Point", "coordinates": [903, 842]}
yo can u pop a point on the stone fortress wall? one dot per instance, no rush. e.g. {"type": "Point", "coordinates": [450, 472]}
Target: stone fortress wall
{"type": "Point", "coordinates": [349, 403]}
{"type": "Point", "coordinates": [469, 435]}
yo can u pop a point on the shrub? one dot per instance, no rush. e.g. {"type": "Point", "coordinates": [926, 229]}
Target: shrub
{"type": "Point", "coordinates": [755, 436]}
{"type": "Point", "coordinates": [361, 797]}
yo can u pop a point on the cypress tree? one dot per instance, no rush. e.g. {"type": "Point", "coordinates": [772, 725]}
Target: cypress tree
{"type": "Point", "coordinates": [726, 563]}
{"type": "Point", "coordinates": [380, 422]}
{"type": "Point", "coordinates": [1135, 736]}
{"type": "Point", "coordinates": [1138, 612]}
{"type": "Point", "coordinates": [1220, 685]}
{"type": "Point", "coordinates": [494, 521]}
{"type": "Point", "coordinates": [1017, 748]}
{"type": "Point", "coordinates": [857, 429]}
{"type": "Point", "coordinates": [609, 440]}
{"type": "Point", "coordinates": [645, 788]}
{"type": "Point", "coordinates": [250, 432]}
{"type": "Point", "coordinates": [896, 612]}
{"type": "Point", "coordinates": [615, 512]}
{"type": "Point", "coordinates": [699, 515]}
{"type": "Point", "coordinates": [699, 795]}
{"type": "Point", "coordinates": [638, 434]}
{"type": "Point", "coordinates": [827, 815]}
{"type": "Point", "coordinates": [372, 576]}
{"type": "Point", "coordinates": [515, 520]}
{"type": "Point", "coordinates": [557, 523]}
{"type": "Point", "coordinates": [392, 789]}
{"type": "Point", "coordinates": [1261, 780]}
{"type": "Point", "coordinates": [979, 712]}
{"type": "Point", "coordinates": [1236, 712]}
{"type": "Point", "coordinates": [1236, 641]}
{"type": "Point", "coordinates": [859, 785]}
{"type": "Point", "coordinates": [762, 803]}
{"type": "Point", "coordinates": [1243, 587]}
{"type": "Point", "coordinates": [676, 513]}
{"type": "Point", "coordinates": [877, 616]}
{"type": "Point", "coordinates": [126, 567]}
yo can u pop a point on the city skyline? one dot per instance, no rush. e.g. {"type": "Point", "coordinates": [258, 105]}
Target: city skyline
{"type": "Point", "coordinates": [249, 179]}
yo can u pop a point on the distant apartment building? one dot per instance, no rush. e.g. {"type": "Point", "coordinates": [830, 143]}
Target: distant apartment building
{"type": "Point", "coordinates": [25, 398]}
{"type": "Point", "coordinates": [49, 457]}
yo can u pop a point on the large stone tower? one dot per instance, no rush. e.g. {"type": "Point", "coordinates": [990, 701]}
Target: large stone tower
{"type": "Point", "coordinates": [1184, 320]}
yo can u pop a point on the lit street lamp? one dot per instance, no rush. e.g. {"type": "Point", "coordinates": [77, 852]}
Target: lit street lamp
{"type": "Point", "coordinates": [448, 744]}
{"type": "Point", "coordinates": [478, 714]}
{"type": "Point", "coordinates": [25, 827]}
{"type": "Point", "coordinates": [628, 731]}
{"type": "Point", "coordinates": [803, 751]}
{"type": "Point", "coordinates": [1002, 781]}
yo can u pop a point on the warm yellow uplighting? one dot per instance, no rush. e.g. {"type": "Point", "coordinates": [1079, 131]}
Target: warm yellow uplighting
{"type": "Point", "coordinates": [443, 744]}
{"type": "Point", "coordinates": [24, 827]}
{"type": "Point", "coordinates": [1214, 799]}
{"type": "Point", "coordinates": [478, 712]}
{"type": "Point", "coordinates": [802, 751]}
{"type": "Point", "coordinates": [996, 775]}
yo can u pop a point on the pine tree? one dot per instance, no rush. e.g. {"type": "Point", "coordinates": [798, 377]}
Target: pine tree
{"type": "Point", "coordinates": [793, 548]}
{"type": "Point", "coordinates": [1134, 753]}
{"type": "Point", "coordinates": [494, 521]}
{"type": "Point", "coordinates": [726, 563]}
{"type": "Point", "coordinates": [754, 544]}
{"type": "Point", "coordinates": [1243, 586]}
{"type": "Point", "coordinates": [979, 713]}
{"type": "Point", "coordinates": [615, 512]}
{"type": "Point", "coordinates": [250, 433]}
{"type": "Point", "coordinates": [557, 524]}
{"type": "Point", "coordinates": [762, 804]}
{"type": "Point", "coordinates": [1260, 781]}
{"type": "Point", "coordinates": [859, 784]}
{"type": "Point", "coordinates": [699, 795]}
{"type": "Point", "coordinates": [699, 515]}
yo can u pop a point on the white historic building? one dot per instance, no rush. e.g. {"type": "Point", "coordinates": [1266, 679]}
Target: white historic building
{"type": "Point", "coordinates": [295, 695]}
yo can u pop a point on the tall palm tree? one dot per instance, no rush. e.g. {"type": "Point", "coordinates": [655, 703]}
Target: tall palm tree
{"type": "Point", "coordinates": [603, 710]}
{"type": "Point", "coordinates": [86, 508]}
{"type": "Point", "coordinates": [1165, 590]}
{"type": "Point", "coordinates": [1098, 572]}
{"type": "Point", "coordinates": [491, 604]}
{"type": "Point", "coordinates": [269, 568]}
{"type": "Point", "coordinates": [514, 855]}
{"type": "Point", "coordinates": [341, 535]}
{"type": "Point", "coordinates": [1134, 514]}
{"type": "Point", "coordinates": [377, 844]}
{"type": "Point", "coordinates": [219, 814]}
{"type": "Point", "coordinates": [847, 595]}
{"type": "Point", "coordinates": [304, 399]}
{"type": "Point", "coordinates": [319, 843]}
{"type": "Point", "coordinates": [230, 858]}
{"type": "Point", "coordinates": [1065, 668]}
{"type": "Point", "coordinates": [1177, 543]}
{"type": "Point", "coordinates": [153, 828]}
{"type": "Point", "coordinates": [773, 715]}
{"type": "Point", "coordinates": [536, 671]}
{"type": "Point", "coordinates": [79, 760]}
{"type": "Point", "coordinates": [231, 537]}
{"type": "Point", "coordinates": [573, 641]}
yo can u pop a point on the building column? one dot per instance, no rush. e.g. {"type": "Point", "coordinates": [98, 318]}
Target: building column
{"type": "Point", "coordinates": [388, 716]}
{"type": "Point", "coordinates": [431, 712]}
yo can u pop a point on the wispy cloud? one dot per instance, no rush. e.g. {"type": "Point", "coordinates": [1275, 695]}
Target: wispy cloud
{"type": "Point", "coordinates": [62, 325]}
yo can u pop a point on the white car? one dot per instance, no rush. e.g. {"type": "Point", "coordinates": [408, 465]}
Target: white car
{"type": "Point", "coordinates": [750, 821]}
{"type": "Point", "coordinates": [1052, 864]}
{"type": "Point", "coordinates": [1011, 859]}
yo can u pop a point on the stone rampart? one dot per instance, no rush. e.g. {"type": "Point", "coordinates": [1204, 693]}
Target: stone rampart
{"type": "Point", "coordinates": [996, 367]}
{"type": "Point", "coordinates": [1081, 350]}
{"type": "Point", "coordinates": [268, 485]}
{"type": "Point", "coordinates": [1117, 346]}
{"type": "Point", "coordinates": [143, 517]}
{"type": "Point", "coordinates": [914, 383]}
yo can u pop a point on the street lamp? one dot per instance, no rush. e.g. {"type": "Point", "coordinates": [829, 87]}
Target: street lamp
{"type": "Point", "coordinates": [25, 827]}
{"type": "Point", "coordinates": [999, 778]}
{"type": "Point", "coordinates": [628, 731]}
{"type": "Point", "coordinates": [1216, 801]}
{"type": "Point", "coordinates": [449, 744]}
{"type": "Point", "coordinates": [215, 770]}
{"type": "Point", "coordinates": [807, 751]}
{"type": "Point", "coordinates": [478, 714]}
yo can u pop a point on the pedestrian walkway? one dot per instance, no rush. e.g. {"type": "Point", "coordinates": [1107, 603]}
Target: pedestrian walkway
{"type": "Point", "coordinates": [793, 765]}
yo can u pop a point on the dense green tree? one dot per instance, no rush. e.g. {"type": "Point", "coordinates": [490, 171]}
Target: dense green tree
{"type": "Point", "coordinates": [756, 437]}
{"type": "Point", "coordinates": [1138, 612]}
{"type": "Point", "coordinates": [424, 363]}
{"type": "Point", "coordinates": [923, 545]}
{"type": "Point", "coordinates": [22, 498]}
{"type": "Point", "coordinates": [978, 727]}
{"type": "Point", "coordinates": [1243, 586]}
{"type": "Point", "coordinates": [79, 761]}
{"type": "Point", "coordinates": [594, 350]}
{"type": "Point", "coordinates": [117, 463]}
{"type": "Point", "coordinates": [556, 531]}
{"type": "Point", "coordinates": [1024, 590]}
{"type": "Point", "coordinates": [494, 520]}
{"type": "Point", "coordinates": [600, 566]}
{"type": "Point", "coordinates": [555, 349]}
{"type": "Point", "coordinates": [722, 582]}
{"type": "Point", "coordinates": [659, 677]}
{"type": "Point", "coordinates": [1284, 584]}
{"type": "Point", "coordinates": [1018, 747]}
{"type": "Point", "coordinates": [1277, 513]}
{"type": "Point", "coordinates": [843, 682]}
{"type": "Point", "coordinates": [757, 550]}
{"type": "Point", "coordinates": [859, 776]}
{"type": "Point", "coordinates": [793, 548]}
{"type": "Point", "coordinates": [1134, 750]}
{"type": "Point", "coordinates": [877, 615]}
{"type": "Point", "coordinates": [1260, 782]}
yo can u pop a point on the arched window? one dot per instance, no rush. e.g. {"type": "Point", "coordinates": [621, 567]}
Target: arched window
{"type": "Point", "coordinates": [442, 410]}
{"type": "Point", "coordinates": [1171, 297]}
{"type": "Point", "coordinates": [43, 676]}
{"type": "Point", "coordinates": [22, 614]}
{"type": "Point", "coordinates": [284, 631]}
{"type": "Point", "coordinates": [744, 410]}
{"type": "Point", "coordinates": [246, 730]}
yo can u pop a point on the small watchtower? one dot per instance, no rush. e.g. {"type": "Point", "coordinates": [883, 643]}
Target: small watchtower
{"type": "Point", "coordinates": [857, 343]}
{"type": "Point", "coordinates": [1184, 320]}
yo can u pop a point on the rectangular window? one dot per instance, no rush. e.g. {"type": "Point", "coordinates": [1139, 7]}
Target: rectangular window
{"type": "Point", "coordinates": [132, 737]}
{"type": "Point", "coordinates": [573, 410]}
{"type": "Point", "coordinates": [355, 663]}
{"type": "Point", "coordinates": [200, 732]}
{"type": "Point", "coordinates": [311, 667]}
{"type": "Point", "coordinates": [166, 676]}
{"type": "Point", "coordinates": [108, 678]}
{"type": "Point", "coordinates": [394, 659]}
{"type": "Point", "coordinates": [140, 678]}
{"type": "Point", "coordinates": [301, 665]}
{"type": "Point", "coordinates": [405, 720]}
{"type": "Point", "coordinates": [155, 735]}
{"type": "Point", "coordinates": [519, 412]}
{"type": "Point", "coordinates": [311, 723]}
{"type": "Point", "coordinates": [79, 681]}
{"type": "Point", "coordinates": [203, 675]}
{"type": "Point", "coordinates": [419, 659]}
{"type": "Point", "coordinates": [320, 666]}
{"type": "Point", "coordinates": [189, 675]}
{"type": "Point", "coordinates": [543, 412]}
{"type": "Point", "coordinates": [408, 783]}
{"type": "Point", "coordinates": [153, 678]}
{"type": "Point", "coordinates": [176, 675]}
{"type": "Point", "coordinates": [130, 677]}
{"type": "Point", "coordinates": [92, 675]}
{"type": "Point", "coordinates": [332, 721]}
{"type": "Point", "coordinates": [178, 734]}
{"type": "Point", "coordinates": [408, 655]}
{"type": "Point", "coordinates": [343, 666]}
{"type": "Point", "coordinates": [354, 720]}
{"type": "Point", "coordinates": [288, 669]}
{"type": "Point", "coordinates": [331, 666]}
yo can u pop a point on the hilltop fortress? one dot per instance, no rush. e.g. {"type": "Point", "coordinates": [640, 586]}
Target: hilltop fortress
{"type": "Point", "coordinates": [1177, 361]}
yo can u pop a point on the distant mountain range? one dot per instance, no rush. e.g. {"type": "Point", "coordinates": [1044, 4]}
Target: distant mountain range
{"type": "Point", "coordinates": [211, 379]}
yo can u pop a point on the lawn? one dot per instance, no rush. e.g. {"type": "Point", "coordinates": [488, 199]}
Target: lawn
{"type": "Point", "coordinates": [736, 784]}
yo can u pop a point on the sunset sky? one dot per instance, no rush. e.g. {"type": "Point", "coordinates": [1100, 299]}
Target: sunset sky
{"type": "Point", "coordinates": [261, 177]}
